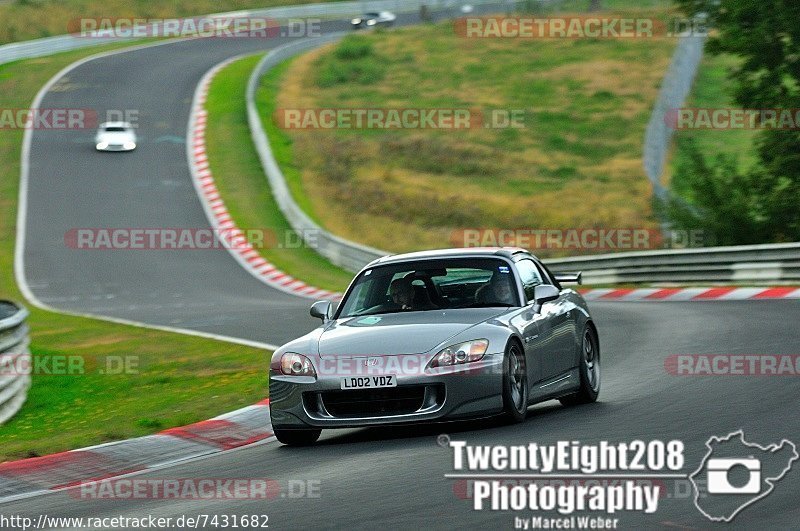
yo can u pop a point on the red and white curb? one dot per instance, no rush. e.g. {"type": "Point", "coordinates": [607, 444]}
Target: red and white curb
{"type": "Point", "coordinates": [690, 294]}
{"type": "Point", "coordinates": [39, 475]}
{"type": "Point", "coordinates": [214, 206]}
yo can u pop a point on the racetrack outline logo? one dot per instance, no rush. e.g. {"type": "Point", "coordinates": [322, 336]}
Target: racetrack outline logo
{"type": "Point", "coordinates": [753, 465]}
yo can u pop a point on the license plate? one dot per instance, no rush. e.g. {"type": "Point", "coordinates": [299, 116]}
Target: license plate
{"type": "Point", "coordinates": [369, 382]}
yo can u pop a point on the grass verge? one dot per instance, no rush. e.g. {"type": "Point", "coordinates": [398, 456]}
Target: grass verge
{"type": "Point", "coordinates": [244, 188]}
{"type": "Point", "coordinates": [281, 143]}
{"type": "Point", "coordinates": [576, 163]}
{"type": "Point", "coordinates": [180, 379]}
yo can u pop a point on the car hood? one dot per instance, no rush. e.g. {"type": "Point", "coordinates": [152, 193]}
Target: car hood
{"type": "Point", "coordinates": [398, 333]}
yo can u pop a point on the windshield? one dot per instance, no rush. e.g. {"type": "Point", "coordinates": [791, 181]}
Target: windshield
{"type": "Point", "coordinates": [432, 285]}
{"type": "Point", "coordinates": [115, 129]}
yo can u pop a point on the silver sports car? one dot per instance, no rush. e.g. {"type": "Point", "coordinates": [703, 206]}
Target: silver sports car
{"type": "Point", "coordinates": [437, 335]}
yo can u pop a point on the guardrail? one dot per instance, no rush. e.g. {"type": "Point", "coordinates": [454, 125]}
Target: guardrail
{"type": "Point", "coordinates": [344, 253]}
{"type": "Point", "coordinates": [14, 359]}
{"type": "Point", "coordinates": [675, 88]}
{"type": "Point", "coordinates": [745, 264]}
{"type": "Point", "coordinates": [62, 43]}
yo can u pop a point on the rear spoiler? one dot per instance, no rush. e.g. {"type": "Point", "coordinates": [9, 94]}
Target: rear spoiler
{"type": "Point", "coordinates": [569, 278]}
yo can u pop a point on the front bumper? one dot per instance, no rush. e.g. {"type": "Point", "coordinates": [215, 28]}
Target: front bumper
{"type": "Point", "coordinates": [115, 147]}
{"type": "Point", "coordinates": [461, 391]}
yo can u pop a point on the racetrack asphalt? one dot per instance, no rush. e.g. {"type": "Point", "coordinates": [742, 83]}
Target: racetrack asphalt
{"type": "Point", "coordinates": [377, 477]}
{"type": "Point", "coordinates": [72, 186]}
{"type": "Point", "coordinates": [394, 477]}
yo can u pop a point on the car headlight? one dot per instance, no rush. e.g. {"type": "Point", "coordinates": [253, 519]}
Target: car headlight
{"type": "Point", "coordinates": [129, 145]}
{"type": "Point", "coordinates": [356, 21]}
{"type": "Point", "coordinates": [466, 352]}
{"type": "Point", "coordinates": [102, 145]}
{"type": "Point", "coordinates": [371, 22]}
{"type": "Point", "coordinates": [296, 365]}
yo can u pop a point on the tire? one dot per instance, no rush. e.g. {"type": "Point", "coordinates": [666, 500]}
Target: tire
{"type": "Point", "coordinates": [515, 383]}
{"type": "Point", "coordinates": [296, 437]}
{"type": "Point", "coordinates": [589, 369]}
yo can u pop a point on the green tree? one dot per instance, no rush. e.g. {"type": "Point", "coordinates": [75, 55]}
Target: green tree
{"type": "Point", "coordinates": [766, 36]}
{"type": "Point", "coordinates": [715, 197]}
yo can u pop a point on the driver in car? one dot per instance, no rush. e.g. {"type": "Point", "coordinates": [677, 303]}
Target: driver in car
{"type": "Point", "coordinates": [402, 293]}
{"type": "Point", "coordinates": [497, 290]}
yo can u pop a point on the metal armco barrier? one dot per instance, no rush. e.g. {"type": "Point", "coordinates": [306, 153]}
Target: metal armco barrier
{"type": "Point", "coordinates": [14, 359]}
{"type": "Point", "coordinates": [675, 89]}
{"type": "Point", "coordinates": [346, 254]}
{"type": "Point", "coordinates": [746, 264]}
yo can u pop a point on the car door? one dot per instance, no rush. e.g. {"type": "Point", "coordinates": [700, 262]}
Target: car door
{"type": "Point", "coordinates": [554, 342]}
{"type": "Point", "coordinates": [561, 315]}
{"type": "Point", "coordinates": [536, 331]}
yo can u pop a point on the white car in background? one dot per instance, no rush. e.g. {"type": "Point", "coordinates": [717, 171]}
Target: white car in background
{"type": "Point", "coordinates": [115, 136]}
{"type": "Point", "coordinates": [370, 20]}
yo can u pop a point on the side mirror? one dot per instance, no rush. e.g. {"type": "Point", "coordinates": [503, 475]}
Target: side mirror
{"type": "Point", "coordinates": [545, 293]}
{"type": "Point", "coordinates": [321, 310]}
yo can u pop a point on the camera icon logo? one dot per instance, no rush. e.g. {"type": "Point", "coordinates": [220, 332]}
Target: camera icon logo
{"type": "Point", "coordinates": [718, 476]}
{"type": "Point", "coordinates": [736, 473]}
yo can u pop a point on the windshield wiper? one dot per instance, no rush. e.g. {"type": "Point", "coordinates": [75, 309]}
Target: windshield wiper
{"type": "Point", "coordinates": [362, 314]}
{"type": "Point", "coordinates": [391, 311]}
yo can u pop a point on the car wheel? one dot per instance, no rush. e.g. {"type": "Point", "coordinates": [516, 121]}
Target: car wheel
{"type": "Point", "coordinates": [296, 437]}
{"type": "Point", "coordinates": [515, 383]}
{"type": "Point", "coordinates": [589, 371]}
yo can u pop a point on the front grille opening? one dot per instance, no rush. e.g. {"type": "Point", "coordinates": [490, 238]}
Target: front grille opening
{"type": "Point", "coordinates": [400, 400]}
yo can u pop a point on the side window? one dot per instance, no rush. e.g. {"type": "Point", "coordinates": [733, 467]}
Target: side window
{"type": "Point", "coordinates": [530, 277]}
